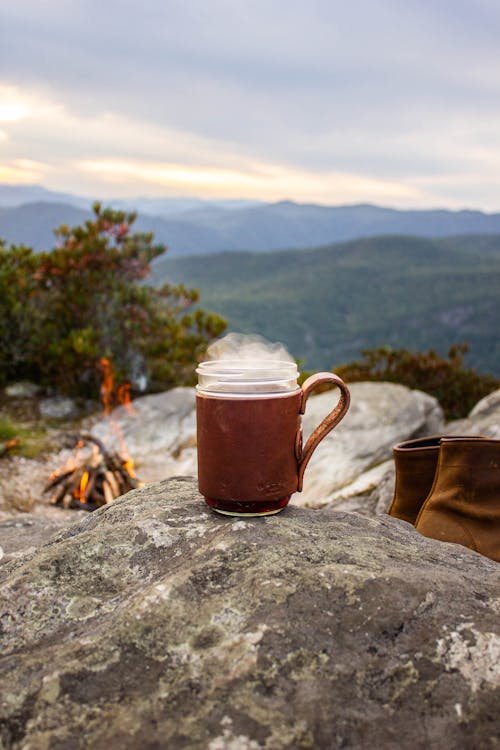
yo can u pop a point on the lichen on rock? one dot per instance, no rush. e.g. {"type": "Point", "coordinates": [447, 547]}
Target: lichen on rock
{"type": "Point", "coordinates": [155, 623]}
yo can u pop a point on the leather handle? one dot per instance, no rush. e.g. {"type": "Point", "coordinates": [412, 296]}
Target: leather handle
{"type": "Point", "coordinates": [329, 421]}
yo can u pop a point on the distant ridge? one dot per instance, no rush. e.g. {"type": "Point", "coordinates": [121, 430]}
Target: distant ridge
{"type": "Point", "coordinates": [327, 304]}
{"type": "Point", "coordinates": [12, 196]}
{"type": "Point", "coordinates": [33, 224]}
{"type": "Point", "coordinates": [192, 226]}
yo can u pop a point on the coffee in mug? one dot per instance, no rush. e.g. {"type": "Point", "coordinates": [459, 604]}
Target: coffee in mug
{"type": "Point", "coordinates": [250, 453]}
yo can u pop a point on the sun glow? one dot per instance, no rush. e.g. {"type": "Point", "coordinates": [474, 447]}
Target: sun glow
{"type": "Point", "coordinates": [262, 180]}
{"type": "Point", "coordinates": [14, 104]}
{"type": "Point", "coordinates": [170, 174]}
{"type": "Point", "coordinates": [21, 171]}
{"type": "Point", "coordinates": [122, 156]}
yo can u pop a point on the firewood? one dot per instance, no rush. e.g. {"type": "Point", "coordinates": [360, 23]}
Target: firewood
{"type": "Point", "coordinates": [93, 481]}
{"type": "Point", "coordinates": [110, 478]}
{"type": "Point", "coordinates": [67, 501]}
{"type": "Point", "coordinates": [57, 478]}
{"type": "Point", "coordinates": [108, 492]}
{"type": "Point", "coordinates": [58, 495]}
{"type": "Point", "coordinates": [122, 482]}
{"type": "Point", "coordinates": [90, 486]}
{"type": "Point", "coordinates": [98, 498]}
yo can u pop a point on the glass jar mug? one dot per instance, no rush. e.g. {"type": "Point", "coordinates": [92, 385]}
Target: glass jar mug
{"type": "Point", "coordinates": [250, 453]}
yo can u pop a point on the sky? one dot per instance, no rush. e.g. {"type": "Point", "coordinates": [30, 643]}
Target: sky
{"type": "Point", "coordinates": [393, 102]}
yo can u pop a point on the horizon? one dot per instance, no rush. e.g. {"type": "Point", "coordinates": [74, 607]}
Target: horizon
{"type": "Point", "coordinates": [108, 201]}
{"type": "Point", "coordinates": [385, 104]}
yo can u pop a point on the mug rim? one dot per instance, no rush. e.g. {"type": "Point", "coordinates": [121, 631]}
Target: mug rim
{"type": "Point", "coordinates": [247, 376]}
{"type": "Point", "coordinates": [233, 365]}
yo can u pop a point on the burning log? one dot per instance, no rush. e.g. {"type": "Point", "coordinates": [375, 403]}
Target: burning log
{"type": "Point", "coordinates": [94, 481]}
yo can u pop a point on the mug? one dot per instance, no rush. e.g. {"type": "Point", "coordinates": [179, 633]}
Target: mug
{"type": "Point", "coordinates": [250, 453]}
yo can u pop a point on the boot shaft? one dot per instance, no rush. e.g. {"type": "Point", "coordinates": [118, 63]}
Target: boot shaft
{"type": "Point", "coordinates": [463, 505]}
{"type": "Point", "coordinates": [416, 462]}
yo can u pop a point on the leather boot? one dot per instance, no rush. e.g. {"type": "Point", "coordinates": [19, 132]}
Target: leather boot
{"type": "Point", "coordinates": [416, 462]}
{"type": "Point", "coordinates": [463, 505]}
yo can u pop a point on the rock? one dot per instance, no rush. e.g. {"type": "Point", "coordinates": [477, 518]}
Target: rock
{"type": "Point", "coordinates": [22, 389]}
{"type": "Point", "coordinates": [352, 469]}
{"type": "Point", "coordinates": [155, 623]}
{"type": "Point", "coordinates": [381, 415]}
{"type": "Point", "coordinates": [161, 434]}
{"type": "Point", "coordinates": [58, 407]}
{"type": "Point", "coordinates": [22, 481]}
{"type": "Point", "coordinates": [370, 494]}
{"type": "Point", "coordinates": [26, 533]}
{"type": "Point", "coordinates": [159, 431]}
{"type": "Point", "coordinates": [484, 419]}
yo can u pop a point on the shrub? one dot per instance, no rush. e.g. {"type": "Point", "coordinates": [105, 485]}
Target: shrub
{"type": "Point", "coordinates": [456, 387]}
{"type": "Point", "coordinates": [83, 300]}
{"type": "Point", "coordinates": [18, 341]}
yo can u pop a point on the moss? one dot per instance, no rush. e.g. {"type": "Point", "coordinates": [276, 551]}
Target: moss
{"type": "Point", "coordinates": [8, 430]}
{"type": "Point", "coordinates": [33, 441]}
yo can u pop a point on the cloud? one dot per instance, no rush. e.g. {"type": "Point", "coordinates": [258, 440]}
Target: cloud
{"type": "Point", "coordinates": [22, 171]}
{"type": "Point", "coordinates": [269, 181]}
{"type": "Point", "coordinates": [388, 93]}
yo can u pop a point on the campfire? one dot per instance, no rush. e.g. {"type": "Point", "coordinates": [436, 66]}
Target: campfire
{"type": "Point", "coordinates": [93, 481]}
{"type": "Point", "coordinates": [96, 476]}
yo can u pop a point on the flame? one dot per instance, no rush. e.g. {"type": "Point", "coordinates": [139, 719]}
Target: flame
{"type": "Point", "coordinates": [109, 399]}
{"type": "Point", "coordinates": [80, 493]}
{"type": "Point", "coordinates": [109, 395]}
{"type": "Point", "coordinates": [124, 398]}
{"type": "Point", "coordinates": [97, 464]}
{"type": "Point", "coordinates": [123, 446]}
{"type": "Point", "coordinates": [107, 385]}
{"type": "Point", "coordinates": [128, 465]}
{"type": "Point", "coordinates": [73, 462]}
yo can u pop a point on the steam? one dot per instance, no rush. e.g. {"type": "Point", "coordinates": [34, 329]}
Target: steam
{"type": "Point", "coordinates": [248, 347]}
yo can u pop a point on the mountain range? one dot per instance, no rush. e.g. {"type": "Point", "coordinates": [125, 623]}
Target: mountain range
{"type": "Point", "coordinates": [190, 226]}
{"type": "Point", "coordinates": [350, 277]}
{"type": "Point", "coordinates": [327, 304]}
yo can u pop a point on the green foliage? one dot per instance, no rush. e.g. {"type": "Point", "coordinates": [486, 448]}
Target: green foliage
{"type": "Point", "coordinates": [327, 304]}
{"type": "Point", "coordinates": [67, 308]}
{"type": "Point", "coordinates": [31, 441]}
{"type": "Point", "coordinates": [18, 314]}
{"type": "Point", "coordinates": [7, 429]}
{"type": "Point", "coordinates": [457, 388]}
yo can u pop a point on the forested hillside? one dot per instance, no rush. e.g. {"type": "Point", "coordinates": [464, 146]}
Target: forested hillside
{"type": "Point", "coordinates": [329, 303]}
